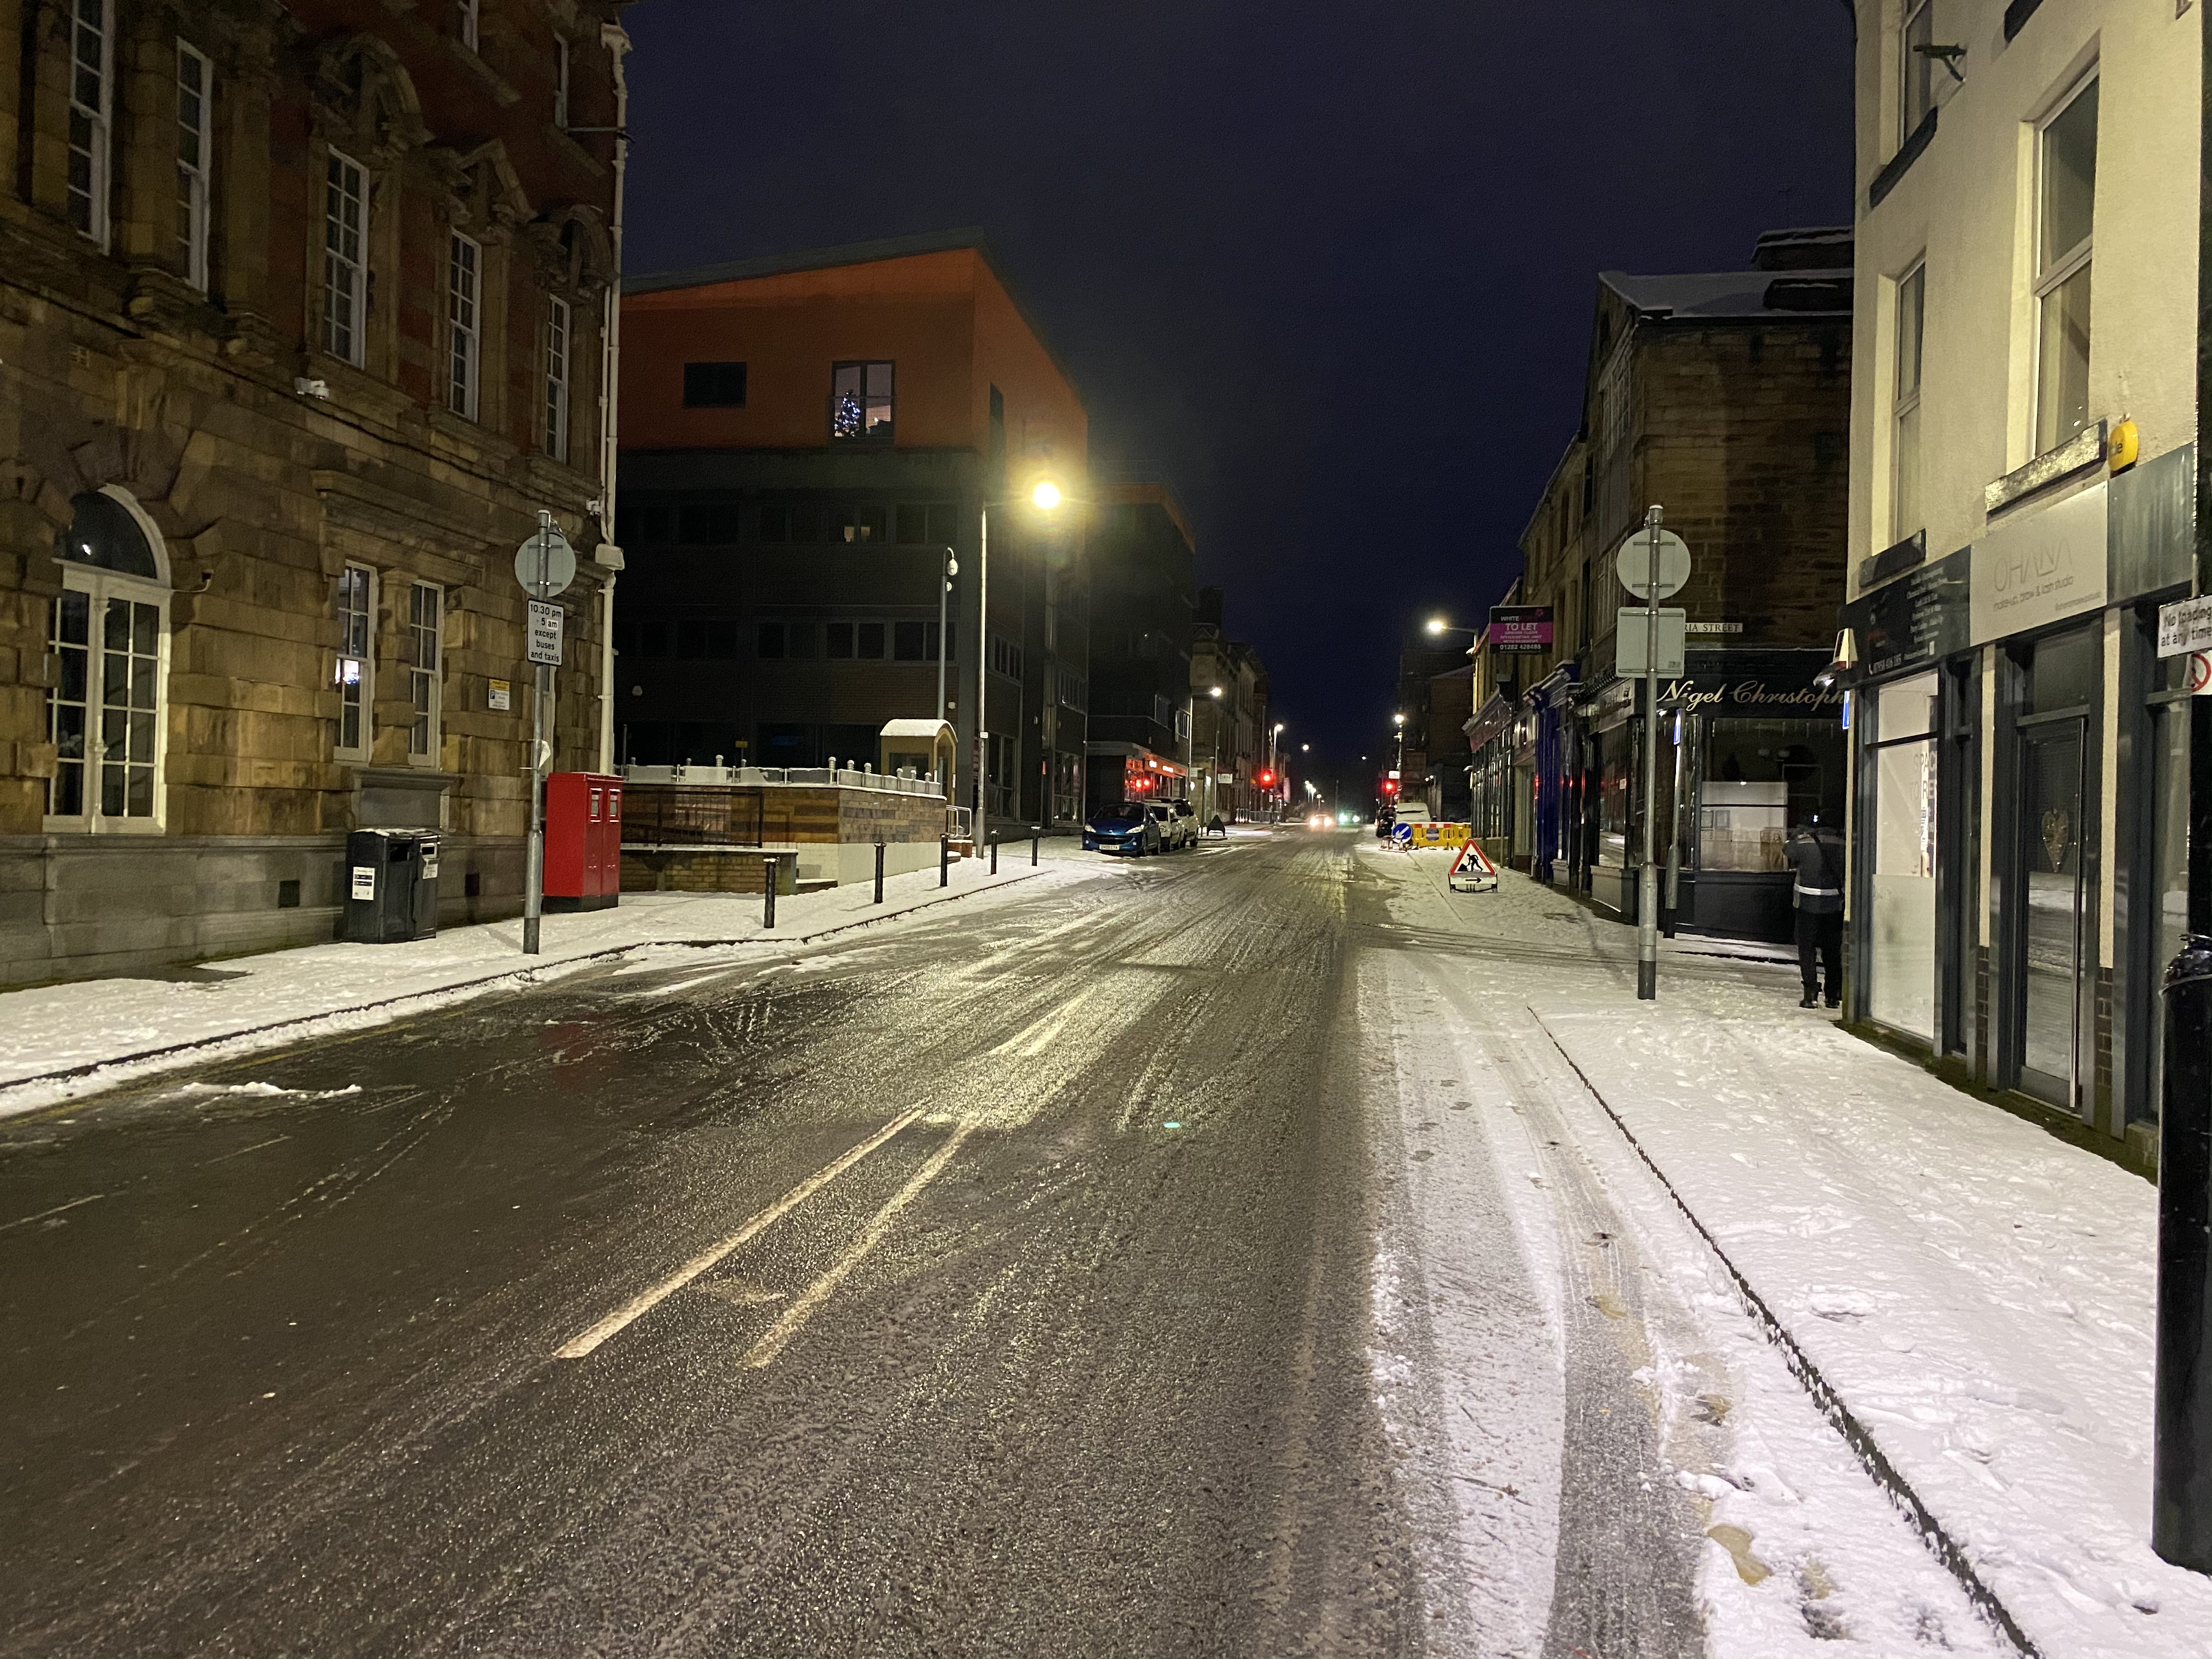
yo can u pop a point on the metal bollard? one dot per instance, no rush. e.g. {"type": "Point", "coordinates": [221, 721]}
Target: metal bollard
{"type": "Point", "coordinates": [945, 860]}
{"type": "Point", "coordinates": [1035, 841]}
{"type": "Point", "coordinates": [994, 858]}
{"type": "Point", "coordinates": [2181, 1439]}
{"type": "Point", "coordinates": [879, 872]}
{"type": "Point", "coordinates": [768, 891]}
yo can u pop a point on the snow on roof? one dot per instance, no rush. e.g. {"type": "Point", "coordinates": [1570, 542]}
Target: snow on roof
{"type": "Point", "coordinates": [915, 729]}
{"type": "Point", "coordinates": [1735, 294]}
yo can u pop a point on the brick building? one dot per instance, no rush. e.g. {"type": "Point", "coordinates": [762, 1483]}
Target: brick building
{"type": "Point", "coordinates": [1144, 596]}
{"type": "Point", "coordinates": [805, 438]}
{"type": "Point", "coordinates": [302, 308]}
{"type": "Point", "coordinates": [1725, 399]}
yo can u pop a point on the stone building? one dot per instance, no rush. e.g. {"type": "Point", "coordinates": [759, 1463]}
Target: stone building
{"type": "Point", "coordinates": [1724, 398]}
{"type": "Point", "coordinates": [1229, 720]}
{"type": "Point", "coordinates": [303, 309]}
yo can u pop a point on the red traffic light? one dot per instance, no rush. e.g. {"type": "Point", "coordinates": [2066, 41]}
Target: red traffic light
{"type": "Point", "coordinates": [1389, 785]}
{"type": "Point", "coordinates": [1267, 778]}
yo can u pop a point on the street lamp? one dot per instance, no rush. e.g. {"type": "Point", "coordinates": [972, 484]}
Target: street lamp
{"type": "Point", "coordinates": [1213, 772]}
{"type": "Point", "coordinates": [943, 595]}
{"type": "Point", "coordinates": [1045, 497]}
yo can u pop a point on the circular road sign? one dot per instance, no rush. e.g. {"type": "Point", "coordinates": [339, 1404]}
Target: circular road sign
{"type": "Point", "coordinates": [560, 563]}
{"type": "Point", "coordinates": [1634, 562]}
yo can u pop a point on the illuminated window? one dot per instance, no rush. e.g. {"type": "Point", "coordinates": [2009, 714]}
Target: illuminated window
{"type": "Point", "coordinates": [860, 402]}
{"type": "Point", "coordinates": [355, 673]}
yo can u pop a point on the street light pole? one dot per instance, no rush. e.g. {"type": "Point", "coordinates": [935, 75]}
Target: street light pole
{"type": "Point", "coordinates": [1647, 878]}
{"type": "Point", "coordinates": [2181, 1434]}
{"type": "Point", "coordinates": [982, 673]}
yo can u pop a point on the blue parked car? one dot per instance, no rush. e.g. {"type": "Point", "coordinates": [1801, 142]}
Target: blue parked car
{"type": "Point", "coordinates": [1126, 828]}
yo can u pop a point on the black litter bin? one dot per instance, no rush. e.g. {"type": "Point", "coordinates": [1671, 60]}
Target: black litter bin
{"type": "Point", "coordinates": [391, 886]}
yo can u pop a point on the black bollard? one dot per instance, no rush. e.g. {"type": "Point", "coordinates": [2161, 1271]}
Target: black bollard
{"type": "Point", "coordinates": [879, 872]}
{"type": "Point", "coordinates": [2181, 1442]}
{"type": "Point", "coordinates": [768, 891]}
{"type": "Point", "coordinates": [945, 860]}
{"type": "Point", "coordinates": [994, 858]}
{"type": "Point", "coordinates": [1035, 841]}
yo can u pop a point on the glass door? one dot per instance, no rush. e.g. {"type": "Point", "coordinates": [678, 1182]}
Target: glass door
{"type": "Point", "coordinates": [2054, 910]}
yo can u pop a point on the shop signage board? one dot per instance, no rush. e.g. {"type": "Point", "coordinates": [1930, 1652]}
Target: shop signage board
{"type": "Point", "coordinates": [545, 633]}
{"type": "Point", "coordinates": [1519, 631]}
{"type": "Point", "coordinates": [1921, 618]}
{"type": "Point", "coordinates": [2043, 568]}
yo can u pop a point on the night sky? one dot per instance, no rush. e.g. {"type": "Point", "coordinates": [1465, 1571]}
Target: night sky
{"type": "Point", "coordinates": [1328, 269]}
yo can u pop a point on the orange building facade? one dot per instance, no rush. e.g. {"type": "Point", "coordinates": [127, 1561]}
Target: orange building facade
{"type": "Point", "coordinates": [804, 442]}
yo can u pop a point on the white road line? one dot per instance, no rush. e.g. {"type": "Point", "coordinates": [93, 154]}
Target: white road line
{"type": "Point", "coordinates": [638, 1306]}
{"type": "Point", "coordinates": [26, 1220]}
{"type": "Point", "coordinates": [243, 1151]}
{"type": "Point", "coordinates": [1034, 1038]}
{"type": "Point", "coordinates": [786, 1326]}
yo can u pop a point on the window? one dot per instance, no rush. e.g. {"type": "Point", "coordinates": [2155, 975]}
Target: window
{"type": "Point", "coordinates": [860, 402]}
{"type": "Point", "coordinates": [91, 71]}
{"type": "Point", "coordinates": [840, 641]}
{"type": "Point", "coordinates": [709, 523]}
{"type": "Point", "coordinates": [1901, 922]}
{"type": "Point", "coordinates": [194, 151]}
{"type": "Point", "coordinates": [2067, 186]}
{"type": "Point", "coordinates": [774, 521]}
{"type": "Point", "coordinates": [356, 674]}
{"type": "Point", "coordinates": [910, 642]}
{"type": "Point", "coordinates": [108, 632]}
{"type": "Point", "coordinates": [464, 276]}
{"type": "Point", "coordinates": [926, 525]}
{"type": "Point", "coordinates": [471, 13]}
{"type": "Point", "coordinates": [426, 617]}
{"type": "Point", "coordinates": [869, 641]}
{"type": "Point", "coordinates": [1160, 714]}
{"type": "Point", "coordinates": [1005, 657]}
{"type": "Point", "coordinates": [1905, 482]}
{"type": "Point", "coordinates": [345, 254]}
{"type": "Point", "coordinates": [560, 82]}
{"type": "Point", "coordinates": [1074, 693]}
{"type": "Point", "coordinates": [556, 378]}
{"type": "Point", "coordinates": [864, 521]}
{"type": "Point", "coordinates": [1915, 69]}
{"type": "Point", "coordinates": [770, 646]}
{"type": "Point", "coordinates": [714, 386]}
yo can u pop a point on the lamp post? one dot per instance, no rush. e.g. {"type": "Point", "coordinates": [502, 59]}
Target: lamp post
{"type": "Point", "coordinates": [1045, 497]}
{"type": "Point", "coordinates": [943, 596]}
{"type": "Point", "coordinates": [1214, 770]}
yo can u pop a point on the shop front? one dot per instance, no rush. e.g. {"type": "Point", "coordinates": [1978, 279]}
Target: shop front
{"type": "Point", "coordinates": [1501, 779]}
{"type": "Point", "coordinates": [2020, 801]}
{"type": "Point", "coordinates": [1751, 746]}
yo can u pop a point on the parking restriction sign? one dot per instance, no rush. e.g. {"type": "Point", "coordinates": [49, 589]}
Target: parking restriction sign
{"type": "Point", "coordinates": [544, 633]}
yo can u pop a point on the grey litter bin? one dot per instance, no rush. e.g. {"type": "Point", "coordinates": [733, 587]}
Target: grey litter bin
{"type": "Point", "coordinates": [391, 886]}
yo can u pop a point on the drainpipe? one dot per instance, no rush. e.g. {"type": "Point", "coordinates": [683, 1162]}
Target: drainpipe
{"type": "Point", "coordinates": [616, 40]}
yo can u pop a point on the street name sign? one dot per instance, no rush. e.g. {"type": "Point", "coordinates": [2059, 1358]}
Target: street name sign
{"type": "Point", "coordinates": [1633, 563]}
{"type": "Point", "coordinates": [558, 568]}
{"type": "Point", "coordinates": [545, 633]}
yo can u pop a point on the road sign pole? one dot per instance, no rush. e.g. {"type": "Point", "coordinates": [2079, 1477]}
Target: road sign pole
{"type": "Point", "coordinates": [534, 892]}
{"type": "Point", "coordinates": [1647, 878]}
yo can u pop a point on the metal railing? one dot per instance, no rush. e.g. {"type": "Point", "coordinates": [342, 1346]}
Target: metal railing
{"type": "Point", "coordinates": [842, 777]}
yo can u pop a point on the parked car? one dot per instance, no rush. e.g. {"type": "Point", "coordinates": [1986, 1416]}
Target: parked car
{"type": "Point", "coordinates": [1126, 827]}
{"type": "Point", "coordinates": [1186, 816]}
{"type": "Point", "coordinates": [1173, 831]}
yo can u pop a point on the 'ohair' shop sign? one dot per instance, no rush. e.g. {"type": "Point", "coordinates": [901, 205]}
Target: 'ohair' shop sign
{"type": "Point", "coordinates": [2040, 567]}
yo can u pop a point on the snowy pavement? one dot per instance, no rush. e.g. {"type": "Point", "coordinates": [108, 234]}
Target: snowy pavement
{"type": "Point", "coordinates": [1974, 1297]}
{"type": "Point", "coordinates": [50, 1051]}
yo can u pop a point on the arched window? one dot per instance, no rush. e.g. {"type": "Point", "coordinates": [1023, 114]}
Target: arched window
{"type": "Point", "coordinates": [106, 709]}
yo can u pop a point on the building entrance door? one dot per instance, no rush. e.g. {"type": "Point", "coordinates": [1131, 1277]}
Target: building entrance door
{"type": "Point", "coordinates": [2052, 898]}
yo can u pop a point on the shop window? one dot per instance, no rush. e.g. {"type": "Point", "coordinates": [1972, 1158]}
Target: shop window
{"type": "Point", "coordinates": [1901, 931]}
{"type": "Point", "coordinates": [2067, 192]}
{"type": "Point", "coordinates": [860, 402]}
{"type": "Point", "coordinates": [1762, 779]}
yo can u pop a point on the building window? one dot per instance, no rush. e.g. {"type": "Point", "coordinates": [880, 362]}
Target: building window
{"type": "Point", "coordinates": [928, 526]}
{"type": "Point", "coordinates": [463, 284]}
{"type": "Point", "coordinates": [194, 84]}
{"type": "Point", "coordinates": [770, 646]}
{"type": "Point", "coordinates": [345, 254]}
{"type": "Point", "coordinates": [1005, 657]}
{"type": "Point", "coordinates": [560, 82]}
{"type": "Point", "coordinates": [92, 60]}
{"type": "Point", "coordinates": [426, 617]}
{"type": "Point", "coordinates": [860, 402]}
{"type": "Point", "coordinates": [556, 378]}
{"type": "Point", "coordinates": [109, 635]}
{"type": "Point", "coordinates": [2067, 187]}
{"type": "Point", "coordinates": [1916, 83]}
{"type": "Point", "coordinates": [910, 642]}
{"type": "Point", "coordinates": [1905, 482]}
{"type": "Point", "coordinates": [355, 673]}
{"type": "Point", "coordinates": [839, 636]}
{"type": "Point", "coordinates": [714, 386]}
{"type": "Point", "coordinates": [471, 15]}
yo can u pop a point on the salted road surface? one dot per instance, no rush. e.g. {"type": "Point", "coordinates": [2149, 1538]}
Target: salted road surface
{"type": "Point", "coordinates": [1000, 1281]}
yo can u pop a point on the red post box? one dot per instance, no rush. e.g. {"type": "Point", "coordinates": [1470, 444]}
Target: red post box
{"type": "Point", "coordinates": [583, 841]}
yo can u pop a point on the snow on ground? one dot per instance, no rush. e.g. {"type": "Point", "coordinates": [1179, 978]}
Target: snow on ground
{"type": "Point", "coordinates": [255, 1002]}
{"type": "Point", "coordinates": [1977, 1293]}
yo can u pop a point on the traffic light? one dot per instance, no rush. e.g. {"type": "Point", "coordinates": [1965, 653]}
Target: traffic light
{"type": "Point", "coordinates": [1389, 785]}
{"type": "Point", "coordinates": [1267, 778]}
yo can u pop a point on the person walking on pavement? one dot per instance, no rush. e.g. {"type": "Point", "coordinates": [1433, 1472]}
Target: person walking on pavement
{"type": "Point", "coordinates": [1815, 852]}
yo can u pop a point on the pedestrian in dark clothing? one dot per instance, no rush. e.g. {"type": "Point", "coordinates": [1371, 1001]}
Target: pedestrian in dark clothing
{"type": "Point", "coordinates": [1815, 852]}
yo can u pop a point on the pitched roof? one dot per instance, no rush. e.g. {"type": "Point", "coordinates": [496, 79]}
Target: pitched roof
{"type": "Point", "coordinates": [1735, 294]}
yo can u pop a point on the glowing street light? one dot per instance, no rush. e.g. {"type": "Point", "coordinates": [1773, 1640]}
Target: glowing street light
{"type": "Point", "coordinates": [1046, 495]}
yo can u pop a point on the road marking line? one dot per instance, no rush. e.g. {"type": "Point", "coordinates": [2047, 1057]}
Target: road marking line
{"type": "Point", "coordinates": [786, 1326]}
{"type": "Point", "coordinates": [638, 1306]}
{"type": "Point", "coordinates": [25, 1221]}
{"type": "Point", "coordinates": [243, 1151]}
{"type": "Point", "coordinates": [1034, 1038]}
